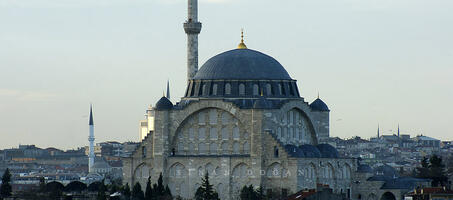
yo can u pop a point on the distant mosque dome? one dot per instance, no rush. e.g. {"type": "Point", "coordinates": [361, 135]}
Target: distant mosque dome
{"type": "Point", "coordinates": [164, 104]}
{"type": "Point", "coordinates": [319, 105]}
{"type": "Point", "coordinates": [328, 151]}
{"type": "Point", "coordinates": [242, 64]}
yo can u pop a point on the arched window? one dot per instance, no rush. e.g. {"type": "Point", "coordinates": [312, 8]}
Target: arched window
{"type": "Point", "coordinates": [236, 133]}
{"type": "Point", "coordinates": [191, 148]}
{"type": "Point", "coordinates": [291, 91]}
{"type": "Point", "coordinates": [290, 134]}
{"type": "Point", "coordinates": [213, 148]}
{"type": "Point", "coordinates": [214, 89]}
{"type": "Point", "coordinates": [143, 151]}
{"type": "Point", "coordinates": [180, 147]}
{"type": "Point", "coordinates": [202, 134]}
{"type": "Point", "coordinates": [241, 89]}
{"type": "Point", "coordinates": [276, 151]}
{"type": "Point", "coordinates": [279, 132]}
{"type": "Point", "coordinates": [225, 148]}
{"type": "Point", "coordinates": [213, 133]}
{"type": "Point", "coordinates": [236, 148]}
{"type": "Point", "coordinates": [204, 91]}
{"type": "Point", "coordinates": [246, 147]}
{"type": "Point", "coordinates": [268, 89]}
{"type": "Point", "coordinates": [213, 116]}
{"type": "Point", "coordinates": [225, 118]}
{"type": "Point", "coordinates": [191, 134]}
{"type": "Point", "coordinates": [202, 148]}
{"type": "Point", "coordinates": [227, 88]}
{"type": "Point", "coordinates": [225, 135]}
{"type": "Point", "coordinates": [256, 89]}
{"type": "Point", "coordinates": [201, 118]}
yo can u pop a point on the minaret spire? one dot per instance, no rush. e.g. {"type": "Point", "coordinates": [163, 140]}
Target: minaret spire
{"type": "Point", "coordinates": [168, 89]}
{"type": "Point", "coordinates": [378, 131]}
{"type": "Point", "coordinates": [91, 141]}
{"type": "Point", "coordinates": [398, 130]}
{"type": "Point", "coordinates": [192, 28]}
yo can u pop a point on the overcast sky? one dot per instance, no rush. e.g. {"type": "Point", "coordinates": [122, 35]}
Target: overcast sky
{"type": "Point", "coordinates": [373, 61]}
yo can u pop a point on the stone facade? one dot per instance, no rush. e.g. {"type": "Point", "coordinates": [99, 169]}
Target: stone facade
{"type": "Point", "coordinates": [236, 147]}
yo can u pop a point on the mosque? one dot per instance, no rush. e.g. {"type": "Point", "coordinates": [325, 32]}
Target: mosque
{"type": "Point", "coordinates": [242, 120]}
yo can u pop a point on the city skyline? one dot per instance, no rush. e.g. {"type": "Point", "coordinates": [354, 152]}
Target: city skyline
{"type": "Point", "coordinates": [119, 54]}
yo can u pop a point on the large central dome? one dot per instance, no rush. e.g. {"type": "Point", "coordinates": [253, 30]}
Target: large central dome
{"type": "Point", "coordinates": [242, 64]}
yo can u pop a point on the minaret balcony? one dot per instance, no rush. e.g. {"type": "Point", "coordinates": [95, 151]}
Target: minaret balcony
{"type": "Point", "coordinates": [192, 27]}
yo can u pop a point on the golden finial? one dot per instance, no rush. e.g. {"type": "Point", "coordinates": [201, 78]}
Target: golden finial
{"type": "Point", "coordinates": [242, 44]}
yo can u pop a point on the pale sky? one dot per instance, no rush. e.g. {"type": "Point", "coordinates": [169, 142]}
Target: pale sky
{"type": "Point", "coordinates": [373, 61]}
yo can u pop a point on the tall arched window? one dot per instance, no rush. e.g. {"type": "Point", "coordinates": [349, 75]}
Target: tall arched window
{"type": "Point", "coordinates": [276, 151]}
{"type": "Point", "coordinates": [236, 148]}
{"type": "Point", "coordinates": [213, 133]}
{"type": "Point", "coordinates": [213, 148]}
{"type": "Point", "coordinates": [227, 88]}
{"type": "Point", "coordinates": [246, 147]}
{"type": "Point", "coordinates": [225, 135]}
{"type": "Point", "coordinates": [268, 89]}
{"type": "Point", "coordinates": [225, 148]}
{"type": "Point", "coordinates": [202, 148]}
{"type": "Point", "coordinates": [241, 89]}
{"type": "Point", "coordinates": [202, 134]}
{"type": "Point", "coordinates": [236, 133]}
{"type": "Point", "coordinates": [204, 91]}
{"type": "Point", "coordinates": [214, 89]}
{"type": "Point", "coordinates": [256, 89]}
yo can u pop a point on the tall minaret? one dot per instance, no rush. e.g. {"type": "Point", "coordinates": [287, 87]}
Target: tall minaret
{"type": "Point", "coordinates": [192, 28]}
{"type": "Point", "coordinates": [168, 89]}
{"type": "Point", "coordinates": [91, 140]}
{"type": "Point", "coordinates": [378, 131]}
{"type": "Point", "coordinates": [398, 130]}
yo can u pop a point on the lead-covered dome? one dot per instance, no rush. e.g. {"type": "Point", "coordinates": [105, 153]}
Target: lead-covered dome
{"type": "Point", "coordinates": [242, 64]}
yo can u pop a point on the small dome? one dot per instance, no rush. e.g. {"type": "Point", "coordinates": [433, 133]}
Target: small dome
{"type": "Point", "coordinates": [164, 104]}
{"type": "Point", "coordinates": [242, 64]}
{"type": "Point", "coordinates": [362, 168]}
{"type": "Point", "coordinates": [328, 151]}
{"type": "Point", "coordinates": [319, 105]}
{"type": "Point", "coordinates": [386, 171]}
{"type": "Point", "coordinates": [310, 151]}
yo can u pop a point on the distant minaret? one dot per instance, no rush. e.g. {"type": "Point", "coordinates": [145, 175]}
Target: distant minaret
{"type": "Point", "coordinates": [192, 28]}
{"type": "Point", "coordinates": [91, 140]}
{"type": "Point", "coordinates": [398, 130]}
{"type": "Point", "coordinates": [168, 89]}
{"type": "Point", "coordinates": [378, 131]}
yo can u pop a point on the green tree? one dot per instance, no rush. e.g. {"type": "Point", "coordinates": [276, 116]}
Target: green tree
{"type": "Point", "coordinates": [149, 190]}
{"type": "Point", "coordinates": [101, 191]}
{"type": "Point", "coordinates": [160, 189]}
{"type": "Point", "coordinates": [126, 192]}
{"type": "Point", "coordinates": [423, 170]}
{"type": "Point", "coordinates": [6, 189]}
{"type": "Point", "coordinates": [137, 192]}
{"type": "Point", "coordinates": [206, 191]}
{"type": "Point", "coordinates": [437, 171]}
{"type": "Point", "coordinates": [249, 193]}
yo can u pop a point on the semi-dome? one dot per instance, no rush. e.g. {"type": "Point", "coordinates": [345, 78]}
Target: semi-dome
{"type": "Point", "coordinates": [319, 105]}
{"type": "Point", "coordinates": [242, 64]}
{"type": "Point", "coordinates": [164, 104]}
{"type": "Point", "coordinates": [328, 151]}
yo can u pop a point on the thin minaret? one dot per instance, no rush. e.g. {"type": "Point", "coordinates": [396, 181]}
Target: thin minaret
{"type": "Point", "coordinates": [378, 131]}
{"type": "Point", "coordinates": [168, 89]}
{"type": "Point", "coordinates": [91, 140]}
{"type": "Point", "coordinates": [398, 130]}
{"type": "Point", "coordinates": [192, 28]}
